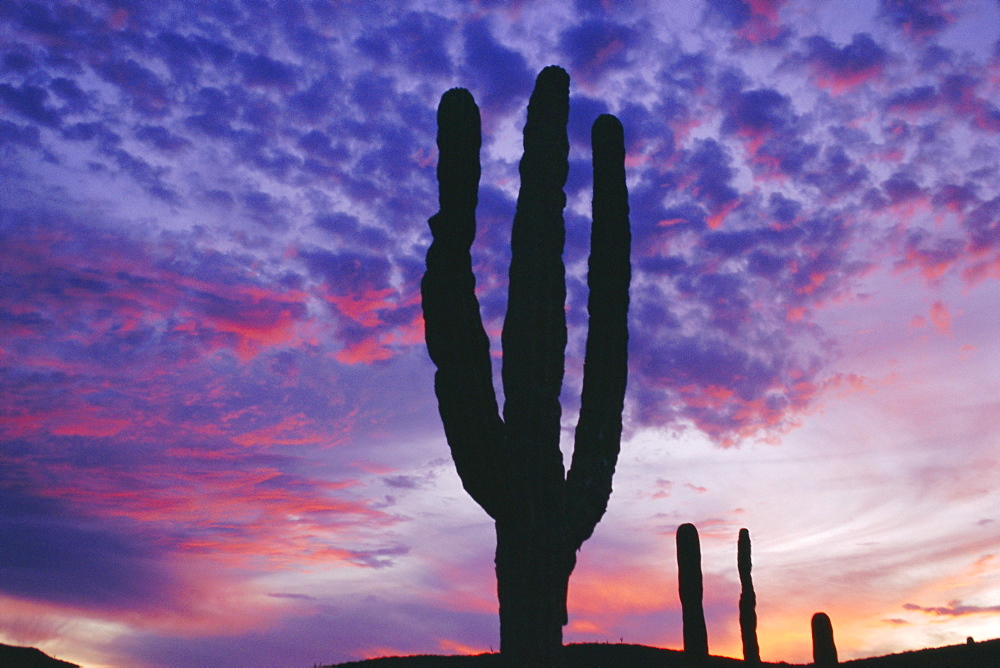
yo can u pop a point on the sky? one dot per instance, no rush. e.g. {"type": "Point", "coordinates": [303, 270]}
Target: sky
{"type": "Point", "coordinates": [218, 434]}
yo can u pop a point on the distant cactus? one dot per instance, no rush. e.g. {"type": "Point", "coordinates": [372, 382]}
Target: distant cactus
{"type": "Point", "coordinates": [824, 651]}
{"type": "Point", "coordinates": [513, 466]}
{"type": "Point", "coordinates": [691, 589]}
{"type": "Point", "coordinates": [748, 601]}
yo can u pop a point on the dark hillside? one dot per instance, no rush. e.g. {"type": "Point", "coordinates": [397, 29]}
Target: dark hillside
{"type": "Point", "coordinates": [985, 653]}
{"type": "Point", "coordinates": [585, 655]}
{"type": "Point", "coordinates": [29, 657]}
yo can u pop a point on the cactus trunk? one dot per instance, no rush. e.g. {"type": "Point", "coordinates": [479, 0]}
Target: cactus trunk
{"type": "Point", "coordinates": [748, 601]}
{"type": "Point", "coordinates": [691, 589]}
{"type": "Point", "coordinates": [532, 576]}
{"type": "Point", "coordinates": [513, 466]}
{"type": "Point", "coordinates": [824, 650]}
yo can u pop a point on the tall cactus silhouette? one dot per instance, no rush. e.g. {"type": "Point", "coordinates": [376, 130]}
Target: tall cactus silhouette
{"type": "Point", "coordinates": [824, 650]}
{"type": "Point", "coordinates": [513, 466]}
{"type": "Point", "coordinates": [691, 589]}
{"type": "Point", "coordinates": [748, 601]}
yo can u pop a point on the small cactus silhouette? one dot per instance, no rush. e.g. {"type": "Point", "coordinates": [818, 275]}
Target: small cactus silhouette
{"type": "Point", "coordinates": [824, 651]}
{"type": "Point", "coordinates": [748, 601]}
{"type": "Point", "coordinates": [691, 590]}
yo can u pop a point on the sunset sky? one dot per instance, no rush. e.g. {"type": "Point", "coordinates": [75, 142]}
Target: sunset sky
{"type": "Point", "coordinates": [219, 443]}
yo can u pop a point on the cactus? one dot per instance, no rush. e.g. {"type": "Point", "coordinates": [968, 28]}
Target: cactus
{"type": "Point", "coordinates": [748, 601]}
{"type": "Point", "coordinates": [690, 587]}
{"type": "Point", "coordinates": [824, 651]}
{"type": "Point", "coordinates": [512, 466]}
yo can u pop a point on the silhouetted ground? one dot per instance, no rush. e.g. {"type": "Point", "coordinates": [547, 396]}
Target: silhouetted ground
{"type": "Point", "coordinates": [29, 657]}
{"type": "Point", "coordinates": [983, 654]}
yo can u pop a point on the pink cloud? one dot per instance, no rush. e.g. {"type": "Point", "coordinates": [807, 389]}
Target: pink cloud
{"type": "Point", "coordinates": [764, 24]}
{"type": "Point", "coordinates": [940, 317]}
{"type": "Point", "coordinates": [364, 307]}
{"type": "Point", "coordinates": [717, 217]}
{"type": "Point", "coordinates": [367, 351]}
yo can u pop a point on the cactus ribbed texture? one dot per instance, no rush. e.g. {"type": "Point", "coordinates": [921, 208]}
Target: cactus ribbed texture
{"type": "Point", "coordinates": [513, 466]}
{"type": "Point", "coordinates": [690, 587]}
{"type": "Point", "coordinates": [824, 651]}
{"type": "Point", "coordinates": [748, 601]}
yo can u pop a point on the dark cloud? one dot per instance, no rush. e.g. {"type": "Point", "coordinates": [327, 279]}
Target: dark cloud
{"type": "Point", "coordinates": [760, 110]}
{"type": "Point", "coordinates": [26, 135]}
{"type": "Point", "coordinates": [691, 72]}
{"type": "Point", "coordinates": [316, 101]}
{"type": "Point", "coordinates": [722, 387]}
{"type": "Point", "coordinates": [734, 13]}
{"type": "Point", "coordinates": [63, 23]}
{"type": "Point", "coordinates": [414, 41]}
{"type": "Point", "coordinates": [349, 232]}
{"type": "Point", "coordinates": [955, 197]}
{"type": "Point", "coordinates": [916, 99]}
{"type": "Point", "coordinates": [954, 609]}
{"type": "Point", "coordinates": [349, 272]}
{"type": "Point", "coordinates": [30, 102]}
{"type": "Point", "coordinates": [754, 22]}
{"type": "Point", "coordinates": [147, 93]}
{"type": "Point", "coordinates": [710, 165]}
{"type": "Point", "coordinates": [259, 70]}
{"type": "Point", "coordinates": [916, 18]}
{"type": "Point", "coordinates": [961, 93]}
{"type": "Point", "coordinates": [161, 138]}
{"type": "Point", "coordinates": [403, 481]}
{"type": "Point", "coordinates": [836, 175]}
{"type": "Point", "coordinates": [900, 188]}
{"type": "Point", "coordinates": [55, 553]}
{"type": "Point", "coordinates": [212, 112]}
{"type": "Point", "coordinates": [71, 94]}
{"type": "Point", "coordinates": [597, 47]}
{"type": "Point", "coordinates": [766, 122]}
{"type": "Point", "coordinates": [498, 77]}
{"type": "Point", "coordinates": [983, 226]}
{"type": "Point", "coordinates": [846, 66]}
{"type": "Point", "coordinates": [18, 62]}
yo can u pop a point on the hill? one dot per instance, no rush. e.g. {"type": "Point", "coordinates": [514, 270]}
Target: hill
{"type": "Point", "coordinates": [595, 655]}
{"type": "Point", "coordinates": [29, 657]}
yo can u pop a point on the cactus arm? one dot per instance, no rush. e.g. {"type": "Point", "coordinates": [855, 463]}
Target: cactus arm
{"type": "Point", "coordinates": [534, 331]}
{"type": "Point", "coordinates": [456, 340]}
{"type": "Point", "coordinates": [598, 432]}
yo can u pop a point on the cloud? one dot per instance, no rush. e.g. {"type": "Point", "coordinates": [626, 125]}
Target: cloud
{"type": "Point", "coordinates": [413, 41]}
{"type": "Point", "coordinates": [259, 70]}
{"type": "Point", "coordinates": [918, 19]}
{"type": "Point", "coordinates": [842, 68]}
{"type": "Point", "coordinates": [57, 554]}
{"type": "Point", "coordinates": [596, 47]}
{"type": "Point", "coordinates": [755, 22]}
{"type": "Point", "coordinates": [710, 174]}
{"type": "Point", "coordinates": [216, 225]}
{"type": "Point", "coordinates": [499, 75]}
{"type": "Point", "coordinates": [142, 88]}
{"type": "Point", "coordinates": [30, 102]}
{"type": "Point", "coordinates": [954, 609]}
